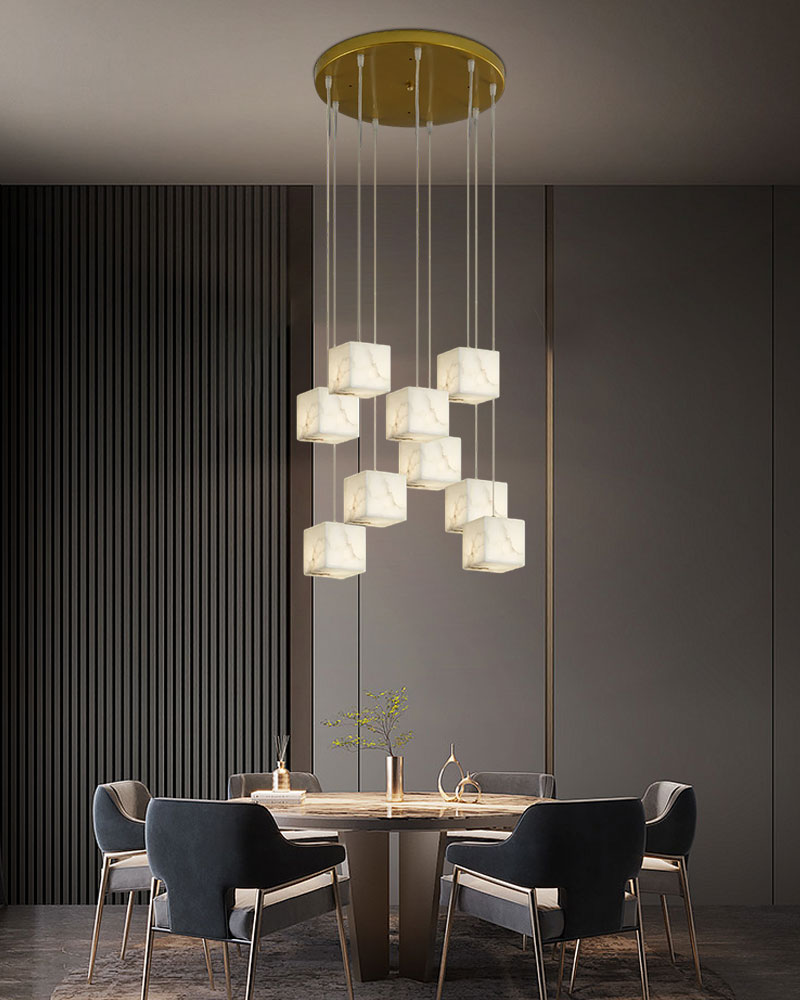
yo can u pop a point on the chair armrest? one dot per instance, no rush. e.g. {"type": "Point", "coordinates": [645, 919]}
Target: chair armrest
{"type": "Point", "coordinates": [123, 855]}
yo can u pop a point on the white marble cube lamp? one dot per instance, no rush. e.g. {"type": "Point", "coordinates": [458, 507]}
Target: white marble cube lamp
{"type": "Point", "coordinates": [375, 498]}
{"type": "Point", "coordinates": [334, 550]}
{"type": "Point", "coordinates": [472, 498]}
{"type": "Point", "coordinates": [430, 465]}
{"type": "Point", "coordinates": [326, 418]}
{"type": "Point", "coordinates": [417, 414]}
{"type": "Point", "coordinates": [493, 544]}
{"type": "Point", "coordinates": [469, 374]}
{"type": "Point", "coordinates": [360, 368]}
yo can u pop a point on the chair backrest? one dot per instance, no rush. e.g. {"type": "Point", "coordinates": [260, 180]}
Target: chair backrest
{"type": "Point", "coordinates": [242, 785]}
{"type": "Point", "coordinates": [587, 849]}
{"type": "Point", "coordinates": [203, 851]}
{"type": "Point", "coordinates": [517, 783]}
{"type": "Point", "coordinates": [118, 811]}
{"type": "Point", "coordinates": [670, 811]}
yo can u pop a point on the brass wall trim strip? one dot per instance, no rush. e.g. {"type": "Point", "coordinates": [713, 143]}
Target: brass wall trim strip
{"type": "Point", "coordinates": [549, 635]}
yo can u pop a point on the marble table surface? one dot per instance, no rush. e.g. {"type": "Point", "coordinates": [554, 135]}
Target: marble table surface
{"type": "Point", "coordinates": [418, 811]}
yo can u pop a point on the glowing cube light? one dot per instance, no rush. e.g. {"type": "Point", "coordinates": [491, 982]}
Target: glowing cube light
{"type": "Point", "coordinates": [358, 368]}
{"type": "Point", "coordinates": [469, 374]}
{"type": "Point", "coordinates": [376, 499]}
{"type": "Point", "coordinates": [472, 498]}
{"type": "Point", "coordinates": [417, 414]}
{"type": "Point", "coordinates": [334, 550]}
{"type": "Point", "coordinates": [493, 544]}
{"type": "Point", "coordinates": [430, 465]}
{"type": "Point", "coordinates": [326, 418]}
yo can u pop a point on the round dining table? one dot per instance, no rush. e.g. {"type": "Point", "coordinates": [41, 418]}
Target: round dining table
{"type": "Point", "coordinates": [364, 821]}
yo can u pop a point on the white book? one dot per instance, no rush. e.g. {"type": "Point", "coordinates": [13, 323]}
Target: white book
{"type": "Point", "coordinates": [284, 797]}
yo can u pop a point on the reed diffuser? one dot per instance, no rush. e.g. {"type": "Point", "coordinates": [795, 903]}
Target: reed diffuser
{"type": "Point", "coordinates": [280, 776]}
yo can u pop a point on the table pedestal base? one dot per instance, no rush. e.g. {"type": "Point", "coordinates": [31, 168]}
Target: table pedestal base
{"type": "Point", "coordinates": [368, 913]}
{"type": "Point", "coordinates": [421, 860]}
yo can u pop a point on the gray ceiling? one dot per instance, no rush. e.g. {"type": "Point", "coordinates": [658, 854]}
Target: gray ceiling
{"type": "Point", "coordinates": [598, 91]}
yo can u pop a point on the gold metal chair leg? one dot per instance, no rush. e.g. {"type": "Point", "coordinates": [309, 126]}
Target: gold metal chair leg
{"type": "Point", "coordinates": [574, 973]}
{"type": "Point", "coordinates": [342, 939]}
{"type": "Point", "coordinates": [524, 942]}
{"type": "Point", "coordinates": [148, 944]}
{"type": "Point", "coordinates": [561, 969]}
{"type": "Point", "coordinates": [668, 929]}
{"type": "Point", "coordinates": [538, 947]}
{"type": "Point", "coordinates": [207, 953]}
{"type": "Point", "coordinates": [126, 932]}
{"type": "Point", "coordinates": [640, 944]}
{"type": "Point", "coordinates": [98, 916]}
{"type": "Point", "coordinates": [687, 902]}
{"type": "Point", "coordinates": [451, 906]}
{"type": "Point", "coordinates": [254, 939]}
{"type": "Point", "coordinates": [239, 950]}
{"type": "Point", "coordinates": [226, 961]}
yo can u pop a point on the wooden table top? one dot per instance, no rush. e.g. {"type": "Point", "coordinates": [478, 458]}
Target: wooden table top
{"type": "Point", "coordinates": [418, 811]}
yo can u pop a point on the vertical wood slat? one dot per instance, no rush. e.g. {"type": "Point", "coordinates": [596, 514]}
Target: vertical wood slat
{"type": "Point", "coordinates": [146, 429]}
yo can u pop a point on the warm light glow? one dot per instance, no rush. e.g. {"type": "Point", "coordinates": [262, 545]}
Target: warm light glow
{"type": "Point", "coordinates": [325, 418]}
{"type": "Point", "coordinates": [430, 465]}
{"type": "Point", "coordinates": [472, 498]}
{"type": "Point", "coordinates": [334, 550]}
{"type": "Point", "coordinates": [469, 374]}
{"type": "Point", "coordinates": [493, 544]}
{"type": "Point", "coordinates": [357, 368]}
{"type": "Point", "coordinates": [376, 499]}
{"type": "Point", "coordinates": [417, 414]}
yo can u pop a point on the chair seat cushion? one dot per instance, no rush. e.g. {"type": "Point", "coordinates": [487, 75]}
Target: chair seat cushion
{"type": "Point", "coordinates": [282, 908]}
{"type": "Point", "coordinates": [661, 876]}
{"type": "Point", "coordinates": [507, 907]}
{"type": "Point", "coordinates": [318, 836]}
{"type": "Point", "coordinates": [129, 874]}
{"type": "Point", "coordinates": [466, 835]}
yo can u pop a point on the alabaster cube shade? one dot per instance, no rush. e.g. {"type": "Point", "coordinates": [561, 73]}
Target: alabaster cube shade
{"type": "Point", "coordinates": [417, 414]}
{"type": "Point", "coordinates": [469, 374]}
{"type": "Point", "coordinates": [493, 544]}
{"type": "Point", "coordinates": [472, 498]}
{"type": "Point", "coordinates": [326, 418]}
{"type": "Point", "coordinates": [430, 465]}
{"type": "Point", "coordinates": [334, 550]}
{"type": "Point", "coordinates": [374, 498]}
{"type": "Point", "coordinates": [358, 368]}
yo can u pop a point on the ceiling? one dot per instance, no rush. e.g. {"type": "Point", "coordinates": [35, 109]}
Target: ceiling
{"type": "Point", "coordinates": [220, 91]}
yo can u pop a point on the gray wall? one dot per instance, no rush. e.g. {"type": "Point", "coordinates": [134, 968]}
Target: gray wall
{"type": "Point", "coordinates": [469, 646]}
{"type": "Point", "coordinates": [147, 465]}
{"type": "Point", "coordinates": [664, 518]}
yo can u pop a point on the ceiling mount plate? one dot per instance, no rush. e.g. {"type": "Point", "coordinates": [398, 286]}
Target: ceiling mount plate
{"type": "Point", "coordinates": [388, 80]}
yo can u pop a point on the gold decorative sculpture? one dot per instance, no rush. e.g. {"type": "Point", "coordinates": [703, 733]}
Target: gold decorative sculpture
{"type": "Point", "coordinates": [450, 760]}
{"type": "Point", "coordinates": [462, 789]}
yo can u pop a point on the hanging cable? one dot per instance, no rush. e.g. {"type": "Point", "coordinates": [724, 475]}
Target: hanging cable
{"type": "Point", "coordinates": [430, 286]}
{"type": "Point", "coordinates": [471, 69]}
{"type": "Point", "coordinates": [493, 94]}
{"type": "Point", "coordinates": [360, 61]}
{"type": "Point", "coordinates": [375, 279]}
{"type": "Point", "coordinates": [475, 113]}
{"type": "Point", "coordinates": [328, 82]}
{"type": "Point", "coordinates": [417, 58]}
{"type": "Point", "coordinates": [335, 129]}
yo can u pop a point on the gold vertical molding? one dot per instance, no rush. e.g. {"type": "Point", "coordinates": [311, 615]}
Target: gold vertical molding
{"type": "Point", "coordinates": [549, 636]}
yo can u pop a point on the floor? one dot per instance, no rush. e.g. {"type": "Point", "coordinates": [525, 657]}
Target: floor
{"type": "Point", "coordinates": [755, 949]}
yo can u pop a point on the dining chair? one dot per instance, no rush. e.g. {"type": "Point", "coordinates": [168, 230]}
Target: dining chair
{"type": "Point", "coordinates": [530, 783]}
{"type": "Point", "coordinates": [670, 810]}
{"type": "Point", "coordinates": [568, 871]}
{"type": "Point", "coordinates": [223, 871]}
{"type": "Point", "coordinates": [243, 785]}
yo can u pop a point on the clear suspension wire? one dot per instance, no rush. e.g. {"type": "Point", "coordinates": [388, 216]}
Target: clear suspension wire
{"type": "Point", "coordinates": [475, 113]}
{"type": "Point", "coordinates": [493, 95]}
{"type": "Point", "coordinates": [417, 58]}
{"type": "Point", "coordinates": [375, 279]}
{"type": "Point", "coordinates": [328, 82]}
{"type": "Point", "coordinates": [471, 70]}
{"type": "Point", "coordinates": [335, 130]}
{"type": "Point", "coordinates": [430, 285]}
{"type": "Point", "coordinates": [360, 61]}
{"type": "Point", "coordinates": [334, 482]}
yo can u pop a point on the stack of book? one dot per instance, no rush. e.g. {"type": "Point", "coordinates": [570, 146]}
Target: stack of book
{"type": "Point", "coordinates": [283, 797]}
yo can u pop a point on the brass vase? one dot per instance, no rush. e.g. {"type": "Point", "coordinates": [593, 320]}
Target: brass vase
{"type": "Point", "coordinates": [280, 778]}
{"type": "Point", "coordinates": [394, 778]}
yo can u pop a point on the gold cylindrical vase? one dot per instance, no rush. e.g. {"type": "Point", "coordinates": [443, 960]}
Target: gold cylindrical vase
{"type": "Point", "coordinates": [394, 779]}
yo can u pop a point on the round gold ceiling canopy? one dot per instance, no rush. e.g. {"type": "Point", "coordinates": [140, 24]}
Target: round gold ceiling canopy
{"type": "Point", "coordinates": [388, 80]}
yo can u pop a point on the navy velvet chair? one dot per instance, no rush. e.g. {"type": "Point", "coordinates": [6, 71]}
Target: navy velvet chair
{"type": "Point", "coordinates": [569, 870]}
{"type": "Point", "coordinates": [118, 812]}
{"type": "Point", "coordinates": [229, 875]}
{"type": "Point", "coordinates": [670, 810]}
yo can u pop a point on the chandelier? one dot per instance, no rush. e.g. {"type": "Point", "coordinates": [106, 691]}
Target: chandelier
{"type": "Point", "coordinates": [408, 79]}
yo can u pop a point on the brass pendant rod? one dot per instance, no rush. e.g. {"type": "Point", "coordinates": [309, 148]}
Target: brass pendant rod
{"type": "Point", "coordinates": [471, 69]}
{"type": "Point", "coordinates": [360, 60]}
{"type": "Point", "coordinates": [417, 59]}
{"type": "Point", "coordinates": [493, 94]}
{"type": "Point", "coordinates": [375, 279]}
{"type": "Point", "coordinates": [430, 286]}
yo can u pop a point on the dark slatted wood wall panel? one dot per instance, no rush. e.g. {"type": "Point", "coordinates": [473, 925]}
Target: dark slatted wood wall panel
{"type": "Point", "coordinates": [146, 453]}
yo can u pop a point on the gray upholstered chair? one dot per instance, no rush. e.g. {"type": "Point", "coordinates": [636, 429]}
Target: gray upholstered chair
{"type": "Point", "coordinates": [118, 811]}
{"type": "Point", "coordinates": [243, 785]}
{"type": "Point", "coordinates": [569, 870]}
{"type": "Point", "coordinates": [229, 875]}
{"type": "Point", "coordinates": [670, 811]}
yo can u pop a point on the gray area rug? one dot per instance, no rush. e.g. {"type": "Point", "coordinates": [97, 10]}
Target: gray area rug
{"type": "Point", "coordinates": [304, 963]}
